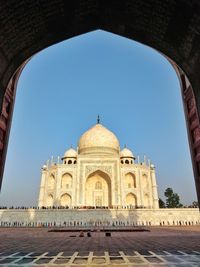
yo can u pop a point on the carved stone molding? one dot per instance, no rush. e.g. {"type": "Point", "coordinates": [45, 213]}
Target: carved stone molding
{"type": "Point", "coordinates": [90, 169]}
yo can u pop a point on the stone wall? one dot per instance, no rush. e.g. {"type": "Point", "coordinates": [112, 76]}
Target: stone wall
{"type": "Point", "coordinates": [98, 217]}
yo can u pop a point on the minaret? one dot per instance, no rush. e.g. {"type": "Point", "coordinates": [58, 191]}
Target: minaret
{"type": "Point", "coordinates": [154, 188]}
{"type": "Point", "coordinates": [42, 187]}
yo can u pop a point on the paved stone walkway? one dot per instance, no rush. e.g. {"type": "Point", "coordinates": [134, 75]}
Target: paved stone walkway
{"type": "Point", "coordinates": [106, 259]}
{"type": "Point", "coordinates": [169, 246]}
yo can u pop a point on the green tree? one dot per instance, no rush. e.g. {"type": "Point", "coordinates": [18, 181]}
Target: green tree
{"type": "Point", "coordinates": [194, 204]}
{"type": "Point", "coordinates": [172, 199]}
{"type": "Point", "coordinates": [161, 203]}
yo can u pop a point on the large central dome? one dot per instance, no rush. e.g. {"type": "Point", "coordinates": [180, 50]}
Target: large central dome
{"type": "Point", "coordinates": [98, 140]}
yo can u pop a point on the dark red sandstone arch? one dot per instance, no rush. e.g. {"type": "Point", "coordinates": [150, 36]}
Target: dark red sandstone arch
{"type": "Point", "coordinates": [171, 27]}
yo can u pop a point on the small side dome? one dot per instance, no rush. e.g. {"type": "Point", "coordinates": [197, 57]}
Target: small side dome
{"type": "Point", "coordinates": [70, 153]}
{"type": "Point", "coordinates": [152, 166]}
{"type": "Point", "coordinates": [126, 153]}
{"type": "Point", "coordinates": [44, 167]}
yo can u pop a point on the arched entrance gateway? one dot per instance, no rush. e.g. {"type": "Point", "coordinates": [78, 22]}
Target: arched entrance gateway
{"type": "Point", "coordinates": [170, 27]}
{"type": "Point", "coordinates": [98, 189]}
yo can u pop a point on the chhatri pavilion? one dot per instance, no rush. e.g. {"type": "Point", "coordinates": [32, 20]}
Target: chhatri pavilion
{"type": "Point", "coordinates": [98, 174]}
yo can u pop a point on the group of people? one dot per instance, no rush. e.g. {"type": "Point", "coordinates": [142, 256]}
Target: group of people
{"type": "Point", "coordinates": [82, 234]}
{"type": "Point", "coordinates": [97, 223]}
{"type": "Point", "coordinates": [72, 207]}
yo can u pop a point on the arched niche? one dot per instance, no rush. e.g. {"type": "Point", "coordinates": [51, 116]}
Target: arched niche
{"type": "Point", "coordinates": [51, 181]}
{"type": "Point", "coordinates": [130, 180]}
{"type": "Point", "coordinates": [66, 181]}
{"type": "Point", "coordinates": [98, 189]}
{"type": "Point", "coordinates": [49, 200]}
{"type": "Point", "coordinates": [131, 200]}
{"type": "Point", "coordinates": [65, 200]}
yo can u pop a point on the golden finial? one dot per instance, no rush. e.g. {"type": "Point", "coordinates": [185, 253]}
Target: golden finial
{"type": "Point", "coordinates": [98, 119]}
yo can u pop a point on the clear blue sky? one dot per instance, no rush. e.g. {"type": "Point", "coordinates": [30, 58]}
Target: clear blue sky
{"type": "Point", "coordinates": [63, 88]}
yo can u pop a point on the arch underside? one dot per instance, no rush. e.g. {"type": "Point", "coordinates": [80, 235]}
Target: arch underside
{"type": "Point", "coordinates": [170, 27]}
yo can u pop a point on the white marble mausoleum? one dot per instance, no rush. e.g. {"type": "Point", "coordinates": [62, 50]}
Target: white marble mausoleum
{"type": "Point", "coordinates": [98, 184]}
{"type": "Point", "coordinates": [98, 173]}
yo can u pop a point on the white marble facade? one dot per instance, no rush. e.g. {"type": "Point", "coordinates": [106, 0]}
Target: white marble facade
{"type": "Point", "coordinates": [99, 217]}
{"type": "Point", "coordinates": [98, 173]}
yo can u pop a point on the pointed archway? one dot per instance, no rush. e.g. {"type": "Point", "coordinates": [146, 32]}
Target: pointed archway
{"type": "Point", "coordinates": [65, 200]}
{"type": "Point", "coordinates": [131, 200]}
{"type": "Point", "coordinates": [98, 189]}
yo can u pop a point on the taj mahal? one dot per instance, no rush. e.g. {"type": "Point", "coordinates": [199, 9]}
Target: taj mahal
{"type": "Point", "coordinates": [98, 174]}
{"type": "Point", "coordinates": [98, 184]}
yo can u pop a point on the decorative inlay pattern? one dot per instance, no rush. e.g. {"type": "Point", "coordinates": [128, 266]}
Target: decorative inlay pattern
{"type": "Point", "coordinates": [90, 169]}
